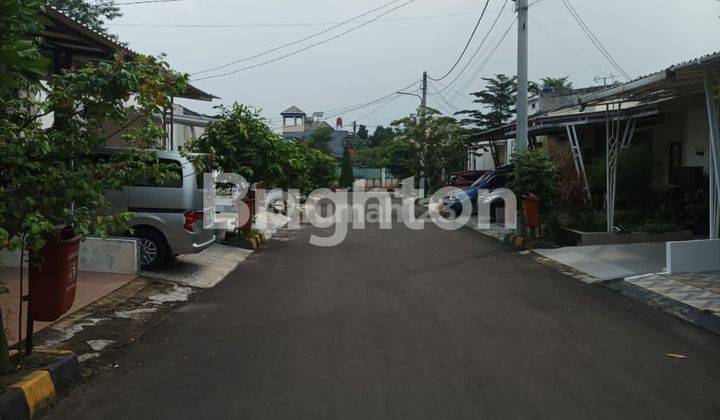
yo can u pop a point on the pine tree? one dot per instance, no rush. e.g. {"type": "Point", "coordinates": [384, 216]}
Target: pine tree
{"type": "Point", "coordinates": [347, 178]}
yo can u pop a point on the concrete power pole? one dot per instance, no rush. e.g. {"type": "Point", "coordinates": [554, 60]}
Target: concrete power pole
{"type": "Point", "coordinates": [423, 100]}
{"type": "Point", "coordinates": [521, 139]}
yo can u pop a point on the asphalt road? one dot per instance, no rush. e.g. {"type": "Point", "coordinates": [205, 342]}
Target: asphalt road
{"type": "Point", "coordinates": [397, 324]}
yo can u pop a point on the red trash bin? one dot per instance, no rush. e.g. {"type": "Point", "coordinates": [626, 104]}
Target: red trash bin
{"type": "Point", "coordinates": [250, 214]}
{"type": "Point", "coordinates": [52, 279]}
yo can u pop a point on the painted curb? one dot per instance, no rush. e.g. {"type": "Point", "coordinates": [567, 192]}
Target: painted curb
{"type": "Point", "coordinates": [39, 390]}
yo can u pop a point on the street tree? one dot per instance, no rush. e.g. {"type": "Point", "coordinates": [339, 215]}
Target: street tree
{"type": "Point", "coordinates": [240, 141]}
{"type": "Point", "coordinates": [50, 176]}
{"type": "Point", "coordinates": [440, 147]}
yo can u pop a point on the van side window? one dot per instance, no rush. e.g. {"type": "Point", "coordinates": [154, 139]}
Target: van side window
{"type": "Point", "coordinates": [177, 179]}
{"type": "Point", "coordinates": [175, 182]}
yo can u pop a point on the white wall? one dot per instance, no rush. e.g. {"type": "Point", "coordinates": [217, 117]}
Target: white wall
{"type": "Point", "coordinates": [112, 255]}
{"type": "Point", "coordinates": [693, 256]}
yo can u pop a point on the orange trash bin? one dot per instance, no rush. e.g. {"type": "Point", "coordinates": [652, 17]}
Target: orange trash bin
{"type": "Point", "coordinates": [531, 208]}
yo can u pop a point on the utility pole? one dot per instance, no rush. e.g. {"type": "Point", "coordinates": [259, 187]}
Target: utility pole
{"type": "Point", "coordinates": [423, 100]}
{"type": "Point", "coordinates": [521, 139]}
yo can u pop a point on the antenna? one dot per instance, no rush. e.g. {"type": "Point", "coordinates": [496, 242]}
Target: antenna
{"type": "Point", "coordinates": [605, 78]}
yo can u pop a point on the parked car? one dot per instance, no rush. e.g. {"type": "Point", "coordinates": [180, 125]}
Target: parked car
{"type": "Point", "coordinates": [465, 179]}
{"type": "Point", "coordinates": [167, 216]}
{"type": "Point", "coordinates": [490, 181]}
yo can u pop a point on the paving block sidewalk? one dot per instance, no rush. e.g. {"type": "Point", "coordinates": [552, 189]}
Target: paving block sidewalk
{"type": "Point", "coordinates": [699, 290]}
{"type": "Point", "coordinates": [496, 231]}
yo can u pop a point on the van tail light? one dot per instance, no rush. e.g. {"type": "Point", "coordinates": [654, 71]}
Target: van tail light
{"type": "Point", "coordinates": [191, 217]}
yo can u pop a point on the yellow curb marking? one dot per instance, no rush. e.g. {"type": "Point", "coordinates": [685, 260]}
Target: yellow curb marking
{"type": "Point", "coordinates": [38, 389]}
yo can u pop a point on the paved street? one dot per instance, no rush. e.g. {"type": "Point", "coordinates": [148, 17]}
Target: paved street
{"type": "Point", "coordinates": [406, 324]}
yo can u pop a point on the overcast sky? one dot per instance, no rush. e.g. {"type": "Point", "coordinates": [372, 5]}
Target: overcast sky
{"type": "Point", "coordinates": [384, 56]}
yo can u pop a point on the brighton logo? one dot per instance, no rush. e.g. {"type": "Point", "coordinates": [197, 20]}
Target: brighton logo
{"type": "Point", "coordinates": [226, 207]}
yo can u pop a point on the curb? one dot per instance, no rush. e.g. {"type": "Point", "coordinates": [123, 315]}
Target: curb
{"type": "Point", "coordinates": [668, 305]}
{"type": "Point", "coordinates": [699, 318]}
{"type": "Point", "coordinates": [37, 391]}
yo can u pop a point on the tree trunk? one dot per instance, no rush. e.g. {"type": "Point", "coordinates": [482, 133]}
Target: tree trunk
{"type": "Point", "coordinates": [4, 356]}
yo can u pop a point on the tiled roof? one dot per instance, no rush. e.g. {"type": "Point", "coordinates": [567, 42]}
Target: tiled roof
{"type": "Point", "coordinates": [112, 46]}
{"type": "Point", "coordinates": [293, 110]}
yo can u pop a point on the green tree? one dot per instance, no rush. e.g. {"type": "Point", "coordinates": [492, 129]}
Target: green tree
{"type": "Point", "coordinates": [321, 170]}
{"type": "Point", "coordinates": [347, 178]}
{"type": "Point", "coordinates": [534, 172]}
{"type": "Point", "coordinates": [439, 143]}
{"type": "Point", "coordinates": [93, 14]}
{"type": "Point", "coordinates": [372, 157]}
{"type": "Point", "coordinates": [362, 132]}
{"type": "Point", "coordinates": [497, 108]}
{"type": "Point", "coordinates": [50, 175]}
{"type": "Point", "coordinates": [241, 142]}
{"type": "Point", "coordinates": [320, 138]}
{"type": "Point", "coordinates": [306, 168]}
{"type": "Point", "coordinates": [380, 135]}
{"type": "Point", "coordinates": [561, 85]}
{"type": "Point", "coordinates": [402, 157]}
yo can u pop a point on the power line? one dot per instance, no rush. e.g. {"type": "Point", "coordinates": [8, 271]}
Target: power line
{"type": "Point", "coordinates": [595, 40]}
{"type": "Point", "coordinates": [492, 52]}
{"type": "Point", "coordinates": [339, 111]}
{"type": "Point", "coordinates": [453, 108]}
{"type": "Point", "coordinates": [393, 99]}
{"type": "Point", "coordinates": [281, 25]}
{"type": "Point", "coordinates": [467, 44]}
{"type": "Point", "coordinates": [477, 50]}
{"type": "Point", "coordinates": [307, 47]}
{"type": "Point", "coordinates": [565, 46]}
{"type": "Point", "coordinates": [297, 41]}
{"type": "Point", "coordinates": [455, 91]}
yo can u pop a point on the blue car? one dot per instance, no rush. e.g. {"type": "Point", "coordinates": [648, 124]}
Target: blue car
{"type": "Point", "coordinates": [490, 181]}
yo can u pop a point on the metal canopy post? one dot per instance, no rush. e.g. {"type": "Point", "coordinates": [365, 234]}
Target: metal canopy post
{"type": "Point", "coordinates": [577, 157]}
{"type": "Point", "coordinates": [628, 134]}
{"type": "Point", "coordinates": [612, 136]}
{"type": "Point", "coordinates": [714, 172]}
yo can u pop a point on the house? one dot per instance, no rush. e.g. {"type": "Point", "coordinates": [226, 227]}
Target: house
{"type": "Point", "coordinates": [670, 116]}
{"type": "Point", "coordinates": [297, 125]}
{"type": "Point", "coordinates": [70, 44]}
{"type": "Point", "coordinates": [494, 152]}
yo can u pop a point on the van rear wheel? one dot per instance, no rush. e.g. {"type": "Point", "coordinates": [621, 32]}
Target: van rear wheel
{"type": "Point", "coordinates": [153, 249]}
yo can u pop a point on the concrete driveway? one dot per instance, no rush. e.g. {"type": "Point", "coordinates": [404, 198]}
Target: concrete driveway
{"type": "Point", "coordinates": [606, 262]}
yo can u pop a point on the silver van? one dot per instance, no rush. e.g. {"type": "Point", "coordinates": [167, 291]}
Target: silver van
{"type": "Point", "coordinates": [168, 217]}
